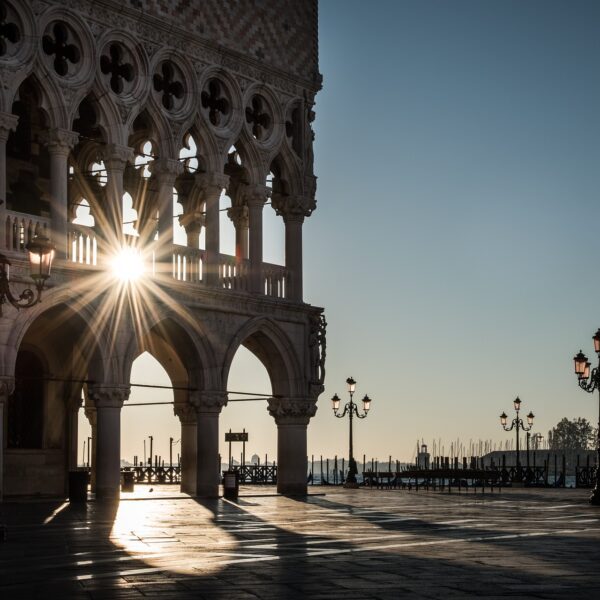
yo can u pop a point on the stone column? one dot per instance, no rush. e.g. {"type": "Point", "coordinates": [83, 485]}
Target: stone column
{"type": "Point", "coordinates": [108, 401]}
{"type": "Point", "coordinates": [164, 172]}
{"type": "Point", "coordinates": [60, 142]}
{"type": "Point", "coordinates": [293, 209]}
{"type": "Point", "coordinates": [73, 406]}
{"type": "Point", "coordinates": [255, 199]}
{"type": "Point", "coordinates": [212, 185]}
{"type": "Point", "coordinates": [292, 416]}
{"type": "Point", "coordinates": [208, 407]}
{"type": "Point", "coordinates": [8, 123]}
{"type": "Point", "coordinates": [239, 215]}
{"type": "Point", "coordinates": [115, 160]}
{"type": "Point", "coordinates": [293, 255]}
{"type": "Point", "coordinates": [187, 416]}
{"type": "Point", "coordinates": [7, 385]}
{"type": "Point", "coordinates": [90, 414]}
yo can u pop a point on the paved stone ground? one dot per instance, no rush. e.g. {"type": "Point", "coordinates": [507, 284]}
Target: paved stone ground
{"type": "Point", "coordinates": [335, 544]}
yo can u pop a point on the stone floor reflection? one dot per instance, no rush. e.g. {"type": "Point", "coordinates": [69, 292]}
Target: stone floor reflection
{"type": "Point", "coordinates": [333, 544]}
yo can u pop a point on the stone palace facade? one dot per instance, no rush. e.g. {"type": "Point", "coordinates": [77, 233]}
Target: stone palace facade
{"type": "Point", "coordinates": [110, 108]}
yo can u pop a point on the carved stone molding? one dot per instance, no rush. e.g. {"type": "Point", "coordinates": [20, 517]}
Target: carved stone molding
{"type": "Point", "coordinates": [292, 411]}
{"type": "Point", "coordinates": [239, 215]}
{"type": "Point", "coordinates": [211, 183]}
{"type": "Point", "coordinates": [75, 403]}
{"type": "Point", "coordinates": [254, 194]}
{"type": "Point", "coordinates": [7, 386]}
{"type": "Point", "coordinates": [166, 170]}
{"type": "Point", "coordinates": [293, 208]}
{"type": "Point", "coordinates": [317, 344]}
{"type": "Point", "coordinates": [116, 157]}
{"type": "Point", "coordinates": [208, 401]}
{"type": "Point", "coordinates": [90, 414]}
{"type": "Point", "coordinates": [8, 123]}
{"type": "Point", "coordinates": [185, 412]}
{"type": "Point", "coordinates": [60, 141]}
{"type": "Point", "coordinates": [108, 396]}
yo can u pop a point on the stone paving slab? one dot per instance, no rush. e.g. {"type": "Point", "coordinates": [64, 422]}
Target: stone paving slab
{"type": "Point", "coordinates": [334, 544]}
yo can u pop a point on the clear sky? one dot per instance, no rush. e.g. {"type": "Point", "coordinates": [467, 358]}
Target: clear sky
{"type": "Point", "coordinates": [455, 244]}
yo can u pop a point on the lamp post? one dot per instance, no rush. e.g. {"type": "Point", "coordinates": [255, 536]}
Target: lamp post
{"type": "Point", "coordinates": [41, 254]}
{"type": "Point", "coordinates": [351, 409]}
{"type": "Point", "coordinates": [517, 423]}
{"type": "Point", "coordinates": [591, 382]}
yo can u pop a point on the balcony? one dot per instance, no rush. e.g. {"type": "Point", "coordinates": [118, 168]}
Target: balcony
{"type": "Point", "coordinates": [188, 265]}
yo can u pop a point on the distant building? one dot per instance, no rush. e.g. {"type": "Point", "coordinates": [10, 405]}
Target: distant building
{"type": "Point", "coordinates": [112, 115]}
{"type": "Point", "coordinates": [423, 457]}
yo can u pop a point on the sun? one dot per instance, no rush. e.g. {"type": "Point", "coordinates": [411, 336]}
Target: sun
{"type": "Point", "coordinates": [128, 265]}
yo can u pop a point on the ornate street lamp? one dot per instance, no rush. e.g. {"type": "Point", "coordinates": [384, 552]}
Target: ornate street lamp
{"type": "Point", "coordinates": [517, 423]}
{"type": "Point", "coordinates": [591, 382]}
{"type": "Point", "coordinates": [351, 409]}
{"type": "Point", "coordinates": [41, 254]}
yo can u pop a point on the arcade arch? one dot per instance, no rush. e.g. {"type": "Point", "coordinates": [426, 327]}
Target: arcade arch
{"type": "Point", "coordinates": [57, 352]}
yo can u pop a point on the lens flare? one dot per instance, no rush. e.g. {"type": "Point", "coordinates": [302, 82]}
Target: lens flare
{"type": "Point", "coordinates": [128, 265]}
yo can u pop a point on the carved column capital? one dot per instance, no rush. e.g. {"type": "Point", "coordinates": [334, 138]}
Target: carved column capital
{"type": "Point", "coordinates": [211, 184]}
{"type": "Point", "coordinates": [60, 141]}
{"type": "Point", "coordinates": [107, 396]}
{"type": "Point", "coordinates": [239, 215]}
{"type": "Point", "coordinates": [116, 157]}
{"type": "Point", "coordinates": [8, 123]}
{"type": "Point", "coordinates": [208, 401]}
{"type": "Point", "coordinates": [293, 208]}
{"type": "Point", "coordinates": [185, 412]}
{"type": "Point", "coordinates": [166, 170]}
{"type": "Point", "coordinates": [75, 403]}
{"type": "Point", "coordinates": [292, 411]}
{"type": "Point", "coordinates": [90, 414]}
{"type": "Point", "coordinates": [7, 387]}
{"type": "Point", "coordinates": [255, 194]}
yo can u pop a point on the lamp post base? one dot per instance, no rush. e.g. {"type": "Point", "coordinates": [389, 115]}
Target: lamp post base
{"type": "Point", "coordinates": [595, 497]}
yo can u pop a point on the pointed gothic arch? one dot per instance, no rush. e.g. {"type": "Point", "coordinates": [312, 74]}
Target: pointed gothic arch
{"type": "Point", "coordinates": [271, 345]}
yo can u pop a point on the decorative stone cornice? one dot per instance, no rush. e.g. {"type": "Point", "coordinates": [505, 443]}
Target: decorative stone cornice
{"type": "Point", "coordinates": [60, 141]}
{"type": "Point", "coordinates": [292, 411]}
{"type": "Point", "coordinates": [185, 412]}
{"type": "Point", "coordinates": [105, 396]}
{"type": "Point", "coordinates": [208, 401]}
{"type": "Point", "coordinates": [8, 123]}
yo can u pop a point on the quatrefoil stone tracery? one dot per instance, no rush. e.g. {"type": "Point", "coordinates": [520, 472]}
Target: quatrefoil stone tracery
{"type": "Point", "coordinates": [59, 47]}
{"type": "Point", "coordinates": [215, 101]}
{"type": "Point", "coordinates": [293, 130]}
{"type": "Point", "coordinates": [166, 84]}
{"type": "Point", "coordinates": [9, 32]}
{"type": "Point", "coordinates": [119, 70]}
{"type": "Point", "coordinates": [258, 117]}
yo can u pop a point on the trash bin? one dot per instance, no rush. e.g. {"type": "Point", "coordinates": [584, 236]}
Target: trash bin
{"type": "Point", "coordinates": [128, 481]}
{"type": "Point", "coordinates": [78, 484]}
{"type": "Point", "coordinates": [231, 485]}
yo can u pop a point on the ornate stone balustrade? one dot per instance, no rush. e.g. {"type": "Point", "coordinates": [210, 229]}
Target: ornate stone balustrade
{"type": "Point", "coordinates": [234, 274]}
{"type": "Point", "coordinates": [187, 264]}
{"type": "Point", "coordinates": [82, 245]}
{"type": "Point", "coordinates": [21, 227]}
{"type": "Point", "coordinates": [275, 280]}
